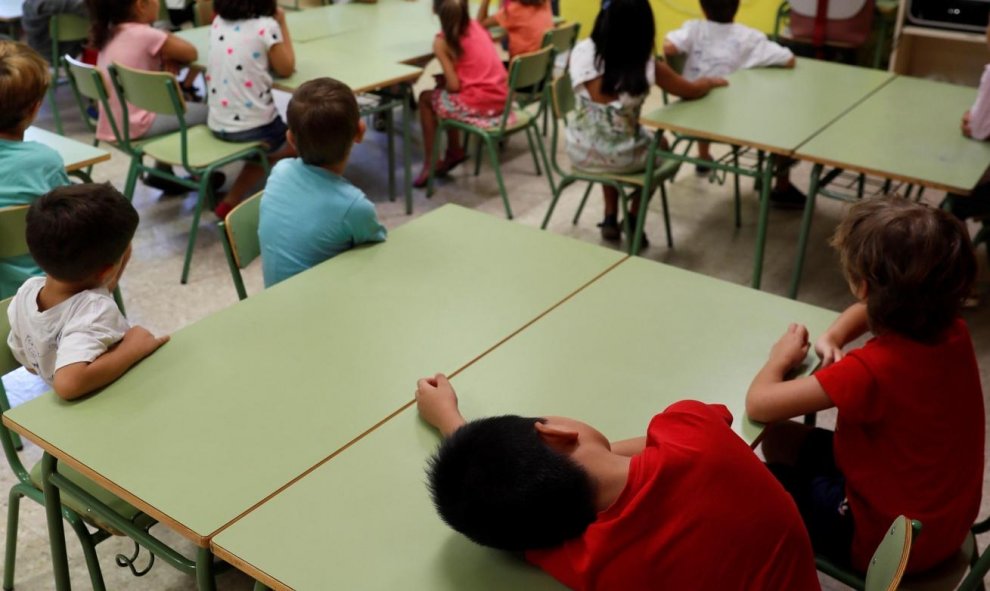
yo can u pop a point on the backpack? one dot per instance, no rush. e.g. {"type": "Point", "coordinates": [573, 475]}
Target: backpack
{"type": "Point", "coordinates": [842, 22]}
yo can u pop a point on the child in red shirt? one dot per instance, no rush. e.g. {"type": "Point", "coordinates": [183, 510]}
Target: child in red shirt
{"type": "Point", "coordinates": [910, 428]}
{"type": "Point", "coordinates": [525, 22]}
{"type": "Point", "coordinates": [689, 506]}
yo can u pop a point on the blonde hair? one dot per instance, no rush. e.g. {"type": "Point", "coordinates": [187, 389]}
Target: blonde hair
{"type": "Point", "coordinates": [24, 79]}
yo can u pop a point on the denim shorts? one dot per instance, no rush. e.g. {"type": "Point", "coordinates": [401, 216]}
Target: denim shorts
{"type": "Point", "coordinates": [272, 135]}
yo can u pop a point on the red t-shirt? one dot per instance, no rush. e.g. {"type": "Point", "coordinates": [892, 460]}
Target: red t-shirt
{"type": "Point", "coordinates": [909, 440]}
{"type": "Point", "coordinates": [525, 25]}
{"type": "Point", "coordinates": [699, 511]}
{"type": "Point", "coordinates": [484, 81]}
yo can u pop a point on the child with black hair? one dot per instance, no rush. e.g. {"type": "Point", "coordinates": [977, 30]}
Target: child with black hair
{"type": "Point", "coordinates": [637, 515]}
{"type": "Point", "coordinates": [718, 46]}
{"type": "Point", "coordinates": [612, 72]}
{"type": "Point", "coordinates": [247, 37]}
{"type": "Point", "coordinates": [909, 435]}
{"type": "Point", "coordinates": [66, 327]}
{"type": "Point", "coordinates": [310, 212]}
{"type": "Point", "coordinates": [28, 169]}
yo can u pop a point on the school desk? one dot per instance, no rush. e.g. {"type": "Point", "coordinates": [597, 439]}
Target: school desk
{"type": "Point", "coordinates": [76, 155]}
{"type": "Point", "coordinates": [908, 131]}
{"type": "Point", "coordinates": [641, 337]}
{"type": "Point", "coordinates": [772, 110]}
{"type": "Point", "coordinates": [243, 401]}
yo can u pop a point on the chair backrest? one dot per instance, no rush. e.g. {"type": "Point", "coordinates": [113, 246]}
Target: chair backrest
{"type": "Point", "coordinates": [891, 556]}
{"type": "Point", "coordinates": [240, 239]}
{"type": "Point", "coordinates": [562, 38]}
{"type": "Point", "coordinates": [562, 96]}
{"type": "Point", "coordinates": [7, 365]}
{"type": "Point", "coordinates": [203, 12]}
{"type": "Point", "coordinates": [152, 91]}
{"type": "Point", "coordinates": [12, 240]}
{"type": "Point", "coordinates": [66, 27]}
{"type": "Point", "coordinates": [86, 81]}
{"type": "Point", "coordinates": [530, 69]}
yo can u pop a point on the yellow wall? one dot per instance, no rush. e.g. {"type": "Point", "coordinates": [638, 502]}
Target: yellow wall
{"type": "Point", "coordinates": [671, 13]}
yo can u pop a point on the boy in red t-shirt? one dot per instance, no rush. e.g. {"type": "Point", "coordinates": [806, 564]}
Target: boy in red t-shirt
{"type": "Point", "coordinates": [910, 428]}
{"type": "Point", "coordinates": [688, 506]}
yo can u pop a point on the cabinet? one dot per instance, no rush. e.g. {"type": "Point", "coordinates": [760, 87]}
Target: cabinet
{"type": "Point", "coordinates": [938, 54]}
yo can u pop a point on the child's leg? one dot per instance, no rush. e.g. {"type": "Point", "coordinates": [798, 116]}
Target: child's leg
{"type": "Point", "coordinates": [428, 121]}
{"type": "Point", "coordinates": [704, 150]}
{"type": "Point", "coordinates": [802, 459]}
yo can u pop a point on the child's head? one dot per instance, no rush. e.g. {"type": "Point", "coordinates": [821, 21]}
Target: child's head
{"type": "Point", "coordinates": [324, 121]}
{"type": "Point", "coordinates": [238, 10]}
{"type": "Point", "coordinates": [911, 263]}
{"type": "Point", "coordinates": [24, 79]}
{"type": "Point", "coordinates": [624, 37]}
{"type": "Point", "coordinates": [454, 21]}
{"type": "Point", "coordinates": [498, 482]}
{"type": "Point", "coordinates": [106, 14]}
{"type": "Point", "coordinates": [720, 11]}
{"type": "Point", "coordinates": [79, 233]}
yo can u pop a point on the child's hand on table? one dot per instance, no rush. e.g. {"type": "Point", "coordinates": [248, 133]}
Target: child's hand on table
{"type": "Point", "coordinates": [829, 350]}
{"type": "Point", "coordinates": [437, 404]}
{"type": "Point", "coordinates": [715, 82]}
{"type": "Point", "coordinates": [966, 129]}
{"type": "Point", "coordinates": [791, 349]}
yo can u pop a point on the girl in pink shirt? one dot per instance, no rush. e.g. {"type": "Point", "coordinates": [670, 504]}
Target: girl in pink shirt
{"type": "Point", "coordinates": [122, 32]}
{"type": "Point", "coordinates": [472, 89]}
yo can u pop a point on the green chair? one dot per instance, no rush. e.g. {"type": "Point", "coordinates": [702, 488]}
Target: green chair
{"type": "Point", "coordinates": [240, 239]}
{"type": "Point", "coordinates": [65, 28]}
{"type": "Point", "coordinates": [627, 185]}
{"type": "Point", "coordinates": [29, 485]}
{"type": "Point", "coordinates": [202, 12]}
{"type": "Point", "coordinates": [562, 39]}
{"type": "Point", "coordinates": [963, 572]}
{"type": "Point", "coordinates": [525, 71]}
{"type": "Point", "coordinates": [193, 148]}
{"type": "Point", "coordinates": [891, 557]}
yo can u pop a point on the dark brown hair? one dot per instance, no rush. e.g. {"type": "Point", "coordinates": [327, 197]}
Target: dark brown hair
{"type": "Point", "coordinates": [916, 262]}
{"type": "Point", "coordinates": [76, 231]}
{"type": "Point", "coordinates": [720, 11]}
{"type": "Point", "coordinates": [104, 16]}
{"type": "Point", "coordinates": [454, 21]}
{"type": "Point", "coordinates": [532, 2]}
{"type": "Point", "coordinates": [323, 117]}
{"type": "Point", "coordinates": [624, 38]}
{"type": "Point", "coordinates": [24, 79]}
{"type": "Point", "coordinates": [238, 10]}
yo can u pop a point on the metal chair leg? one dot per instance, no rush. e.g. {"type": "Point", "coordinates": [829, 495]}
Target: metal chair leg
{"type": "Point", "coordinates": [532, 149]}
{"type": "Point", "coordinates": [10, 553]}
{"type": "Point", "coordinates": [493, 155]}
{"type": "Point", "coordinates": [584, 199]}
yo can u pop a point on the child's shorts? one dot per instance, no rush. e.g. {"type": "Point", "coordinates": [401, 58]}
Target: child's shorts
{"type": "Point", "coordinates": [819, 491]}
{"type": "Point", "coordinates": [448, 105]}
{"type": "Point", "coordinates": [272, 135]}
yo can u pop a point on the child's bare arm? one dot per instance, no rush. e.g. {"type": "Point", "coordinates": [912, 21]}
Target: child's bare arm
{"type": "Point", "coordinates": [282, 56]}
{"type": "Point", "coordinates": [674, 83]}
{"type": "Point", "coordinates": [437, 404]}
{"type": "Point", "coordinates": [483, 17]}
{"type": "Point", "coordinates": [78, 379]}
{"type": "Point", "coordinates": [850, 325]}
{"type": "Point", "coordinates": [629, 447]}
{"type": "Point", "coordinates": [771, 397]}
{"type": "Point", "coordinates": [178, 50]}
{"type": "Point", "coordinates": [440, 49]}
{"type": "Point", "coordinates": [669, 49]}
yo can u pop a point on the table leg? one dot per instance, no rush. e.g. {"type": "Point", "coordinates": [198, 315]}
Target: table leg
{"type": "Point", "coordinates": [56, 530]}
{"type": "Point", "coordinates": [761, 230]}
{"type": "Point", "coordinates": [204, 570]}
{"type": "Point", "coordinates": [809, 211]}
{"type": "Point", "coordinates": [644, 200]}
{"type": "Point", "coordinates": [406, 162]}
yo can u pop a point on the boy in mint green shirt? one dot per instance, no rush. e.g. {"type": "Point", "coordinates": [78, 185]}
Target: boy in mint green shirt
{"type": "Point", "coordinates": [309, 212]}
{"type": "Point", "coordinates": [28, 170]}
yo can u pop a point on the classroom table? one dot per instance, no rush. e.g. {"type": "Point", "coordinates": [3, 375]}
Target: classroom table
{"type": "Point", "coordinates": [773, 110]}
{"type": "Point", "coordinates": [242, 402]}
{"type": "Point", "coordinates": [76, 155]}
{"type": "Point", "coordinates": [907, 131]}
{"type": "Point", "coordinates": [641, 337]}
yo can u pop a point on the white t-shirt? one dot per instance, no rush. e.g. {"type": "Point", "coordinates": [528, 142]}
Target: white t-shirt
{"type": "Point", "coordinates": [585, 68]}
{"type": "Point", "coordinates": [78, 330]}
{"type": "Point", "coordinates": [719, 49]}
{"type": "Point", "coordinates": [979, 113]}
{"type": "Point", "coordinates": [240, 85]}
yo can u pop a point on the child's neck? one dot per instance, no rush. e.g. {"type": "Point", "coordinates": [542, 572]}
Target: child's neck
{"type": "Point", "coordinates": [609, 473]}
{"type": "Point", "coordinates": [14, 135]}
{"type": "Point", "coordinates": [56, 291]}
{"type": "Point", "coordinates": [337, 168]}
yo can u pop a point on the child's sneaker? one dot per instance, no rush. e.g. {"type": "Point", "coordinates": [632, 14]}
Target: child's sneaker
{"type": "Point", "coordinates": [789, 198]}
{"type": "Point", "coordinates": [610, 229]}
{"type": "Point", "coordinates": [702, 169]}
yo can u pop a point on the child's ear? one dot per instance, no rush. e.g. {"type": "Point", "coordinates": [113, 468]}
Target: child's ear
{"type": "Point", "coordinates": [106, 274]}
{"type": "Point", "coordinates": [861, 291]}
{"type": "Point", "coordinates": [362, 128]}
{"type": "Point", "coordinates": [291, 138]}
{"type": "Point", "coordinates": [557, 437]}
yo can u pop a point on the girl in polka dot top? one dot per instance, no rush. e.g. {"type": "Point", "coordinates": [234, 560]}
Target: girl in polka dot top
{"type": "Point", "coordinates": [248, 41]}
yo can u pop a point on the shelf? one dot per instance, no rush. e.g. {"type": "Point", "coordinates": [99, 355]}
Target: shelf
{"type": "Point", "coordinates": [943, 34]}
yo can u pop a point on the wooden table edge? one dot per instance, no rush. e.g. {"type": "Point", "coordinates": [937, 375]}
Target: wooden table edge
{"type": "Point", "coordinates": [658, 126]}
{"type": "Point", "coordinates": [882, 174]}
{"type": "Point", "coordinates": [86, 163]}
{"type": "Point", "coordinates": [246, 567]}
{"type": "Point", "coordinates": [198, 539]}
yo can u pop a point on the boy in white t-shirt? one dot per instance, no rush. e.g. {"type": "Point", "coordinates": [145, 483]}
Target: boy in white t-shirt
{"type": "Point", "coordinates": [717, 47]}
{"type": "Point", "coordinates": [66, 327]}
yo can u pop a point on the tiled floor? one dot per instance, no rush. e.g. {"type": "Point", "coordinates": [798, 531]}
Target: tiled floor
{"type": "Point", "coordinates": [705, 241]}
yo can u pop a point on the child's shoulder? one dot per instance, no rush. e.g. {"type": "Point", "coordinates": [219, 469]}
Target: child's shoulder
{"type": "Point", "coordinates": [30, 154]}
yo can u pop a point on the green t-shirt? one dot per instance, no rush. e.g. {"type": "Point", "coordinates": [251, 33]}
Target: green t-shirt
{"type": "Point", "coordinates": [28, 170]}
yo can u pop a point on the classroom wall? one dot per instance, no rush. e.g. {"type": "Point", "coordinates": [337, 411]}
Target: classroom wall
{"type": "Point", "coordinates": [671, 13]}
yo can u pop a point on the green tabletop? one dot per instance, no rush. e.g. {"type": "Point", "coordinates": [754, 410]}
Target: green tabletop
{"type": "Point", "coordinates": [244, 401]}
{"type": "Point", "coordinates": [75, 154]}
{"type": "Point", "coordinates": [772, 109]}
{"type": "Point", "coordinates": [909, 131]}
{"type": "Point", "coordinates": [641, 337]}
{"type": "Point", "coordinates": [361, 71]}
